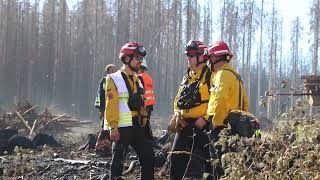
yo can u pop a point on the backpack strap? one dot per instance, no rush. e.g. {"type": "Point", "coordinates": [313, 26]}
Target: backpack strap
{"type": "Point", "coordinates": [125, 77]}
{"type": "Point", "coordinates": [240, 92]}
{"type": "Point", "coordinates": [207, 79]}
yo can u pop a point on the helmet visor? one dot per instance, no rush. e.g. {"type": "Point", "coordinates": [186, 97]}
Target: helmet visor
{"type": "Point", "coordinates": [141, 50]}
{"type": "Point", "coordinates": [140, 58]}
{"type": "Point", "coordinates": [191, 45]}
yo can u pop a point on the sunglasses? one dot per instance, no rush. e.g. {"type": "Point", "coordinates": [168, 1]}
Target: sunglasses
{"type": "Point", "coordinates": [140, 58]}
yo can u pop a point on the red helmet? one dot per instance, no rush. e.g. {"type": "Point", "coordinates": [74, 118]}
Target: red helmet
{"type": "Point", "coordinates": [195, 48]}
{"type": "Point", "coordinates": [218, 49]}
{"type": "Point", "coordinates": [132, 48]}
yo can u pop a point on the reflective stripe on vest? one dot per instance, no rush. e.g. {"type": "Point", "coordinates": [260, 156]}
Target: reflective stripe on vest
{"type": "Point", "coordinates": [97, 102]}
{"type": "Point", "coordinates": [148, 87]}
{"type": "Point", "coordinates": [125, 116]}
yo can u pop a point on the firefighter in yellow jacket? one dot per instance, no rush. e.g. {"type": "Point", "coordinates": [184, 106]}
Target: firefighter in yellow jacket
{"type": "Point", "coordinates": [190, 107]}
{"type": "Point", "coordinates": [125, 114]}
{"type": "Point", "coordinates": [227, 90]}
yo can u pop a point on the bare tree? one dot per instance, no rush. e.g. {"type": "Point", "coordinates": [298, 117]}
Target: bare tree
{"type": "Point", "coordinates": [271, 69]}
{"type": "Point", "coordinates": [315, 30]}
{"type": "Point", "coordinates": [259, 62]}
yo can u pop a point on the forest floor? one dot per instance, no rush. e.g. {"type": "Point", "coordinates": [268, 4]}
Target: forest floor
{"type": "Point", "coordinates": [289, 149]}
{"type": "Point", "coordinates": [67, 162]}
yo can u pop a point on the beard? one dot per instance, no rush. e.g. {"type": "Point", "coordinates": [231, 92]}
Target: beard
{"type": "Point", "coordinates": [135, 68]}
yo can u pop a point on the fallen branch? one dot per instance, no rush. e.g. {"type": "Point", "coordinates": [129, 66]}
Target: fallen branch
{"type": "Point", "coordinates": [47, 109]}
{"type": "Point", "coordinates": [24, 121]}
{"type": "Point", "coordinates": [85, 162]}
{"type": "Point", "coordinates": [55, 119]}
{"type": "Point", "coordinates": [4, 159]}
{"type": "Point", "coordinates": [29, 109]}
{"type": "Point", "coordinates": [131, 168]}
{"type": "Point", "coordinates": [32, 129]}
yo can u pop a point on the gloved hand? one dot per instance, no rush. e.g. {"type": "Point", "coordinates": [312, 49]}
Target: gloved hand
{"type": "Point", "coordinates": [201, 123]}
{"type": "Point", "coordinates": [177, 123]}
{"type": "Point", "coordinates": [143, 116]}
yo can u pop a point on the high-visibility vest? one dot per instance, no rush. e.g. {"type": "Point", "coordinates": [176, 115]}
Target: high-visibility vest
{"type": "Point", "coordinates": [125, 116]}
{"type": "Point", "coordinates": [148, 87]}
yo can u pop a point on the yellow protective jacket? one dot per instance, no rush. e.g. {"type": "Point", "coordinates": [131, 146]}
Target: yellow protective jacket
{"type": "Point", "coordinates": [224, 95]}
{"type": "Point", "coordinates": [198, 111]}
{"type": "Point", "coordinates": [112, 101]}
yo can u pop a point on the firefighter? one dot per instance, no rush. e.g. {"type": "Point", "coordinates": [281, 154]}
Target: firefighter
{"type": "Point", "coordinates": [103, 143]}
{"type": "Point", "coordinates": [149, 95]}
{"type": "Point", "coordinates": [125, 114]}
{"type": "Point", "coordinates": [100, 97]}
{"type": "Point", "coordinates": [227, 90]}
{"type": "Point", "coordinates": [190, 107]}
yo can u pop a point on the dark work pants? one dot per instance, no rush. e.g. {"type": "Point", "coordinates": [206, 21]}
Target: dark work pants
{"type": "Point", "coordinates": [135, 137]}
{"type": "Point", "coordinates": [183, 142]}
{"type": "Point", "coordinates": [147, 129]}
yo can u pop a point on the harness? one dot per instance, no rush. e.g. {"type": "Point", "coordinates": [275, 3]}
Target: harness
{"type": "Point", "coordinates": [190, 96]}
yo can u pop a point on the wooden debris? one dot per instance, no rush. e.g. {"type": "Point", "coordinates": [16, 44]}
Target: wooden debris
{"type": "Point", "coordinates": [71, 161]}
{"type": "Point", "coordinates": [45, 121]}
{"type": "Point", "coordinates": [29, 109]}
{"type": "Point", "coordinates": [23, 120]}
{"type": "Point", "coordinates": [32, 129]}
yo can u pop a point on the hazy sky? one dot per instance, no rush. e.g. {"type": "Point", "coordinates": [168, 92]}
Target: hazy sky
{"type": "Point", "coordinates": [288, 9]}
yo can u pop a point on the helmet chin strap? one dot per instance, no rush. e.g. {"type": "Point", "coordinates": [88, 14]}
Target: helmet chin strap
{"type": "Point", "coordinates": [213, 63]}
{"type": "Point", "coordinates": [198, 63]}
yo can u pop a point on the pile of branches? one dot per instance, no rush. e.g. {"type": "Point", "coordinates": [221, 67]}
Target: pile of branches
{"type": "Point", "coordinates": [29, 120]}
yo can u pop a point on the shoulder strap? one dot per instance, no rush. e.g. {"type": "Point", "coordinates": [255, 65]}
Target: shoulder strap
{"type": "Point", "coordinates": [237, 75]}
{"type": "Point", "coordinates": [204, 70]}
{"type": "Point", "coordinates": [141, 80]}
{"type": "Point", "coordinates": [125, 78]}
{"type": "Point", "coordinates": [208, 77]}
{"type": "Point", "coordinates": [240, 92]}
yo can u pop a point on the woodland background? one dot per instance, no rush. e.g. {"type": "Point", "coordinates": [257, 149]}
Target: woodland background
{"type": "Point", "coordinates": [54, 54]}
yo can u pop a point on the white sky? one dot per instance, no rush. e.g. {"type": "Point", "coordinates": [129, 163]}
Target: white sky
{"type": "Point", "coordinates": [288, 9]}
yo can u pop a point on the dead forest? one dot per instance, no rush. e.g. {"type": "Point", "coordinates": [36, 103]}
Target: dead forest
{"type": "Point", "coordinates": [53, 54]}
{"type": "Point", "coordinates": [54, 51]}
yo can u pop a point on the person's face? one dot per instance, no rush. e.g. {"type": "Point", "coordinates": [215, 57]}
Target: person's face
{"type": "Point", "coordinates": [136, 63]}
{"type": "Point", "coordinates": [112, 69]}
{"type": "Point", "coordinates": [192, 60]}
{"type": "Point", "coordinates": [193, 63]}
{"type": "Point", "coordinates": [213, 59]}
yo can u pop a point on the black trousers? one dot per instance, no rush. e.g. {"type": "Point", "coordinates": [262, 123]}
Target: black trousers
{"type": "Point", "coordinates": [135, 137]}
{"type": "Point", "coordinates": [183, 142]}
{"type": "Point", "coordinates": [147, 129]}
